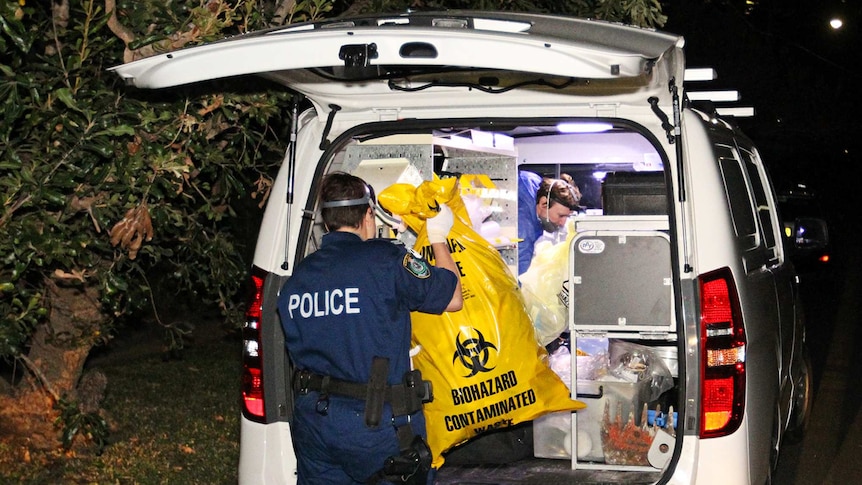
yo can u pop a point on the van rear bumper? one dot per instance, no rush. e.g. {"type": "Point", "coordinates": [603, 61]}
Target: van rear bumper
{"type": "Point", "coordinates": [266, 454]}
{"type": "Point", "coordinates": [724, 460]}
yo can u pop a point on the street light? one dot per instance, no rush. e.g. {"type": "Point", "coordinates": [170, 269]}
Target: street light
{"type": "Point", "coordinates": [836, 23]}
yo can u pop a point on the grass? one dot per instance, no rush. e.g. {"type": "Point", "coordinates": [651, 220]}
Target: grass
{"type": "Point", "coordinates": [172, 420]}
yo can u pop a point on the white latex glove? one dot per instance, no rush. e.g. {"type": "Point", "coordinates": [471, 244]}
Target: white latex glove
{"type": "Point", "coordinates": [438, 227]}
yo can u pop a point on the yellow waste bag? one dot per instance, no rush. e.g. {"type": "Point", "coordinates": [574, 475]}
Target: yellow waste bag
{"type": "Point", "coordinates": [485, 365]}
{"type": "Point", "coordinates": [541, 285]}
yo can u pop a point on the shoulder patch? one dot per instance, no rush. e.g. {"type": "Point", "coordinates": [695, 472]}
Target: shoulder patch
{"type": "Point", "coordinates": [418, 267]}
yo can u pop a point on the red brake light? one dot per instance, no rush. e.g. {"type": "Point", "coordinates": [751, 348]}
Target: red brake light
{"type": "Point", "coordinates": [255, 300]}
{"type": "Point", "coordinates": [717, 403]}
{"type": "Point", "coordinates": [252, 358]}
{"type": "Point", "coordinates": [715, 304]}
{"type": "Point", "coordinates": [252, 391]}
{"type": "Point", "coordinates": [722, 355]}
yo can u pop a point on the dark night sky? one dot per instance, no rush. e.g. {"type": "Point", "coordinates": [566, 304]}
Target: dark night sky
{"type": "Point", "coordinates": [798, 73]}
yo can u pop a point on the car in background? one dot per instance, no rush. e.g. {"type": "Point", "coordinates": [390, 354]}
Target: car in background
{"type": "Point", "coordinates": [806, 229]}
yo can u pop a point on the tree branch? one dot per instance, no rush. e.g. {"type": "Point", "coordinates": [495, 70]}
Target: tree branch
{"type": "Point", "coordinates": [36, 371]}
{"type": "Point", "coordinates": [173, 42]}
{"type": "Point", "coordinates": [17, 205]}
{"type": "Point", "coordinates": [120, 30]}
{"type": "Point", "coordinates": [356, 8]}
{"type": "Point", "coordinates": [285, 7]}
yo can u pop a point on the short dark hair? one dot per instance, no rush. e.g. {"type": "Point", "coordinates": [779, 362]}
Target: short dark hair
{"type": "Point", "coordinates": [559, 191]}
{"type": "Point", "coordinates": [343, 186]}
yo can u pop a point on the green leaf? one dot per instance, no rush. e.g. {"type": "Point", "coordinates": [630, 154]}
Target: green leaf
{"type": "Point", "coordinates": [13, 27]}
{"type": "Point", "coordinates": [97, 26]}
{"type": "Point", "coordinates": [100, 147]}
{"type": "Point", "coordinates": [27, 176]}
{"type": "Point", "coordinates": [65, 96]}
{"type": "Point", "coordinates": [54, 197]}
{"type": "Point", "coordinates": [117, 130]}
{"type": "Point", "coordinates": [69, 434]}
{"type": "Point", "coordinates": [137, 44]}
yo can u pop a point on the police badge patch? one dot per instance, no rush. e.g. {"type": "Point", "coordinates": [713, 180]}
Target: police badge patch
{"type": "Point", "coordinates": [418, 267]}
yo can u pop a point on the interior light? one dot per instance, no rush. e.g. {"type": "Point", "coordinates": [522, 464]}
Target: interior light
{"type": "Point", "coordinates": [393, 21]}
{"type": "Point", "coordinates": [741, 112]}
{"type": "Point", "coordinates": [584, 127]}
{"type": "Point", "coordinates": [717, 96]}
{"type": "Point", "coordinates": [495, 25]}
{"type": "Point", "coordinates": [700, 74]}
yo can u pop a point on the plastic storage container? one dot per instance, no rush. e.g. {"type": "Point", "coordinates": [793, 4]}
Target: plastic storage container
{"type": "Point", "coordinates": [552, 433]}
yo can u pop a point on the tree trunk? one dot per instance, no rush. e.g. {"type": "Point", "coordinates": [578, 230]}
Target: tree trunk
{"type": "Point", "coordinates": [56, 360]}
{"type": "Point", "coordinates": [61, 346]}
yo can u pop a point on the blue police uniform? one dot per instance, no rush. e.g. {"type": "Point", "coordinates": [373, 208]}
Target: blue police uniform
{"type": "Point", "coordinates": [529, 226]}
{"type": "Point", "coordinates": [348, 302]}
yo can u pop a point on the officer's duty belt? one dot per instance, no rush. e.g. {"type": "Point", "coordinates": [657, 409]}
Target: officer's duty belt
{"type": "Point", "coordinates": [405, 398]}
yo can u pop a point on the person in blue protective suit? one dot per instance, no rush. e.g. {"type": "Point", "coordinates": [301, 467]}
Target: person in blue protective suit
{"type": "Point", "coordinates": [544, 205]}
{"type": "Point", "coordinates": [346, 318]}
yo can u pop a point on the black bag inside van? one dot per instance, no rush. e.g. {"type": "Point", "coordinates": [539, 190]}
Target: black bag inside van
{"type": "Point", "coordinates": [497, 447]}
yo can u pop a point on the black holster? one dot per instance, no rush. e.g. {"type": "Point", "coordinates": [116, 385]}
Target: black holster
{"type": "Point", "coordinates": [375, 396]}
{"type": "Point", "coordinates": [411, 466]}
{"type": "Point", "coordinates": [411, 394]}
{"type": "Point", "coordinates": [405, 398]}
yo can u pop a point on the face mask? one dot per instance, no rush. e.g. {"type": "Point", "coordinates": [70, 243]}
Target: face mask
{"type": "Point", "coordinates": [548, 226]}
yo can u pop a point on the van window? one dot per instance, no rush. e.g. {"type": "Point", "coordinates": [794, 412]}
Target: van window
{"type": "Point", "coordinates": [754, 216]}
{"type": "Point", "coordinates": [737, 197]}
{"type": "Point", "coordinates": [766, 214]}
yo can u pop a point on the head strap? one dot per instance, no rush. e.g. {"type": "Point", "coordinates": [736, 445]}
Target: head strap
{"type": "Point", "coordinates": [367, 199]}
{"type": "Point", "coordinates": [345, 203]}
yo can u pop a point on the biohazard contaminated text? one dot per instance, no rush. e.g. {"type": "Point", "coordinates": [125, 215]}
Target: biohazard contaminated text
{"type": "Point", "coordinates": [497, 409]}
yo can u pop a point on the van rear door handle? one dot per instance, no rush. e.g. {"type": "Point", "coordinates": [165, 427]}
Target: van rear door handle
{"type": "Point", "coordinates": [357, 55]}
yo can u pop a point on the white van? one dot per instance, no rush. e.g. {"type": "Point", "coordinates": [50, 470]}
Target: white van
{"type": "Point", "coordinates": [679, 248]}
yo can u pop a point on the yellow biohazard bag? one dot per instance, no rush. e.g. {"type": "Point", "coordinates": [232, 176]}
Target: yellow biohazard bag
{"type": "Point", "coordinates": [541, 285]}
{"type": "Point", "coordinates": [485, 365]}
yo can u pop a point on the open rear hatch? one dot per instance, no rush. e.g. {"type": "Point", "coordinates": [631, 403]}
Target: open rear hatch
{"type": "Point", "coordinates": [391, 61]}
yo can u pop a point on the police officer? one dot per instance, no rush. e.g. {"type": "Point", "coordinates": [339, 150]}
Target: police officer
{"type": "Point", "coordinates": [346, 317]}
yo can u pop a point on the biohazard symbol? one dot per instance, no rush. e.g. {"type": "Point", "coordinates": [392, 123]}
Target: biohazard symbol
{"type": "Point", "coordinates": [474, 354]}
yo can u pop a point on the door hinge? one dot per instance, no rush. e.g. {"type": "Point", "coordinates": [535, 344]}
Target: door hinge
{"type": "Point", "coordinates": [648, 335]}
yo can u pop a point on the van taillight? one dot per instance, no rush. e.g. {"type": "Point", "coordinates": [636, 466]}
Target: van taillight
{"type": "Point", "coordinates": [722, 355]}
{"type": "Point", "coordinates": [252, 359]}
